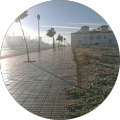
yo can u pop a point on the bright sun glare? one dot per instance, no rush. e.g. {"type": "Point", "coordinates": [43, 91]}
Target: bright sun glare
{"type": "Point", "coordinates": [16, 30]}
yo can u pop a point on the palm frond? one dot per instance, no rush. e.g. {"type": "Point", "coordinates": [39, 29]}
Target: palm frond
{"type": "Point", "coordinates": [22, 16]}
{"type": "Point", "coordinates": [51, 32]}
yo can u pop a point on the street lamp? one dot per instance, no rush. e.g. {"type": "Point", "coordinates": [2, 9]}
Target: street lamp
{"type": "Point", "coordinates": [13, 41]}
{"type": "Point", "coordinates": [29, 42]}
{"type": "Point", "coordinates": [13, 37]}
{"type": "Point", "coordinates": [38, 17]}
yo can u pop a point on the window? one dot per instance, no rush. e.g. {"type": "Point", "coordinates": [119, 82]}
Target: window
{"type": "Point", "coordinates": [96, 43]}
{"type": "Point", "coordinates": [110, 41]}
{"type": "Point", "coordinates": [91, 37]}
{"type": "Point", "coordinates": [98, 37]}
{"type": "Point", "coordinates": [79, 41]}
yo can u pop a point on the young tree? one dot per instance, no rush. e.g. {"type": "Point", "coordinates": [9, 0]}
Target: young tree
{"type": "Point", "coordinates": [51, 33]}
{"type": "Point", "coordinates": [58, 39]}
{"type": "Point", "coordinates": [61, 40]}
{"type": "Point", "coordinates": [19, 18]}
{"type": "Point", "coordinates": [64, 41]}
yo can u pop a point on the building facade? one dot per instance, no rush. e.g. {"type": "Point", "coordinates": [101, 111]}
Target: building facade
{"type": "Point", "coordinates": [99, 36]}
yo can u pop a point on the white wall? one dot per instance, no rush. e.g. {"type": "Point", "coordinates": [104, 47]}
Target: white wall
{"type": "Point", "coordinates": [104, 39]}
{"type": "Point", "coordinates": [104, 29]}
{"type": "Point", "coordinates": [85, 29]}
{"type": "Point", "coordinates": [74, 39]}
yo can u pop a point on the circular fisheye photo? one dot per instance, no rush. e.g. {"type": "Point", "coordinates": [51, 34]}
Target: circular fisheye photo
{"type": "Point", "coordinates": [59, 60]}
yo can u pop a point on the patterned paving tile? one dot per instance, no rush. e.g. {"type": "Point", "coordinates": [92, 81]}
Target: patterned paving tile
{"type": "Point", "coordinates": [38, 86]}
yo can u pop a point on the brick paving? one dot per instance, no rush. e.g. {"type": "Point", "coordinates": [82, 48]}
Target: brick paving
{"type": "Point", "coordinates": [39, 86]}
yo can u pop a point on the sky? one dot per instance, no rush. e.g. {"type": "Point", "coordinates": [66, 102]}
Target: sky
{"type": "Point", "coordinates": [65, 16]}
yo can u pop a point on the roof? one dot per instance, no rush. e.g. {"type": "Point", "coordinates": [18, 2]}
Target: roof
{"type": "Point", "coordinates": [104, 26]}
{"type": "Point", "coordinates": [85, 26]}
{"type": "Point", "coordinates": [92, 32]}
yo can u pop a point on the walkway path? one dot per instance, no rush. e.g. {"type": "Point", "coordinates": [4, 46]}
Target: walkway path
{"type": "Point", "coordinates": [38, 86]}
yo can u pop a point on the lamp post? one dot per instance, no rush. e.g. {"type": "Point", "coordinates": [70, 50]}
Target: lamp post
{"type": "Point", "coordinates": [38, 17]}
{"type": "Point", "coordinates": [13, 41]}
{"type": "Point", "coordinates": [13, 37]}
{"type": "Point", "coordinates": [29, 42]}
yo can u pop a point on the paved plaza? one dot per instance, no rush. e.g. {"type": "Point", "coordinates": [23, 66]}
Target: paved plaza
{"type": "Point", "coordinates": [39, 86]}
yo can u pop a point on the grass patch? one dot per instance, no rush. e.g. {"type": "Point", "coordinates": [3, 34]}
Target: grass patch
{"type": "Point", "coordinates": [97, 70]}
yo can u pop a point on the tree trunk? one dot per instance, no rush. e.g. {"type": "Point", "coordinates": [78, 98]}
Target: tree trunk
{"type": "Point", "coordinates": [61, 45]}
{"type": "Point", "coordinates": [58, 46]}
{"type": "Point", "coordinates": [25, 41]}
{"type": "Point", "coordinates": [53, 44]}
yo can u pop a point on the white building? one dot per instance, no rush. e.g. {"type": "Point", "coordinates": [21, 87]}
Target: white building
{"type": "Point", "coordinates": [99, 36]}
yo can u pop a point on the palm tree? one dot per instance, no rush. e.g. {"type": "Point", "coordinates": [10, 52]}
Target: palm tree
{"type": "Point", "coordinates": [19, 18]}
{"type": "Point", "coordinates": [64, 41]}
{"type": "Point", "coordinates": [51, 33]}
{"type": "Point", "coordinates": [59, 39]}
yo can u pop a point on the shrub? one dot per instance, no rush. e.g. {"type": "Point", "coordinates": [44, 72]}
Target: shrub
{"type": "Point", "coordinates": [96, 74]}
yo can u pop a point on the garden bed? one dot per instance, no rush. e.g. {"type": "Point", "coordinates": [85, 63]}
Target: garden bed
{"type": "Point", "coordinates": [97, 70]}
